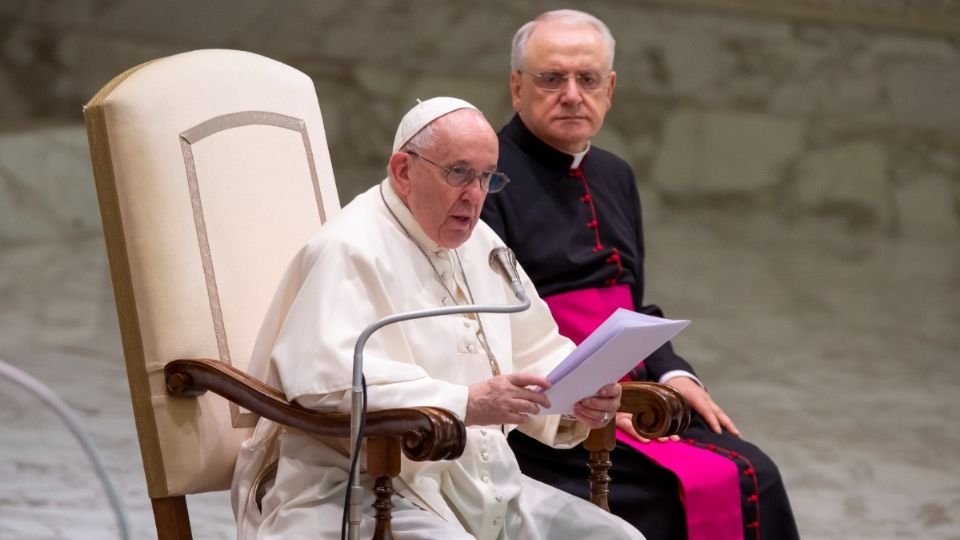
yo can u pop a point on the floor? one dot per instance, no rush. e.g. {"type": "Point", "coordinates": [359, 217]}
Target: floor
{"type": "Point", "coordinates": [835, 351]}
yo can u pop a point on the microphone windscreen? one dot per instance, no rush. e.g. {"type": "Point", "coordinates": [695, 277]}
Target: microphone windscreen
{"type": "Point", "coordinates": [503, 261]}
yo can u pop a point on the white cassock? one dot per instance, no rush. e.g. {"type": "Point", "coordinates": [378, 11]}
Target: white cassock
{"type": "Point", "coordinates": [361, 267]}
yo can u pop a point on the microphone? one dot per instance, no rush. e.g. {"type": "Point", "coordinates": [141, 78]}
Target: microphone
{"type": "Point", "coordinates": [504, 263]}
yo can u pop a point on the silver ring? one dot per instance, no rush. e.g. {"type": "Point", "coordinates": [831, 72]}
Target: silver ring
{"type": "Point", "coordinates": [605, 418]}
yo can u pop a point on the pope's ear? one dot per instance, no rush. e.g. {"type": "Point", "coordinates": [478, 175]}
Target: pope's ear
{"type": "Point", "coordinates": [400, 172]}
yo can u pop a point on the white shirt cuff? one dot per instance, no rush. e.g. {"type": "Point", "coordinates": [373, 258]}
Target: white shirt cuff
{"type": "Point", "coordinates": [680, 373]}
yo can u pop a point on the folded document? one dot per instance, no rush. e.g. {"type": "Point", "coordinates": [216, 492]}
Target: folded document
{"type": "Point", "coordinates": [606, 355]}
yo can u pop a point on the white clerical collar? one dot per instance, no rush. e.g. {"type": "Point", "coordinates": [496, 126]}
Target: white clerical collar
{"type": "Point", "coordinates": [405, 218]}
{"type": "Point", "coordinates": [578, 157]}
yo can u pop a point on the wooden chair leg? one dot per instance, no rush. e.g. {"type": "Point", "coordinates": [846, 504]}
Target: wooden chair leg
{"type": "Point", "coordinates": [383, 463]}
{"type": "Point", "coordinates": [384, 490]}
{"type": "Point", "coordinates": [173, 521]}
{"type": "Point", "coordinates": [599, 443]}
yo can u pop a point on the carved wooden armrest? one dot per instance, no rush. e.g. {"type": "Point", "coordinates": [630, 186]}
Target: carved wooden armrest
{"type": "Point", "coordinates": [421, 433]}
{"type": "Point", "coordinates": [658, 411]}
{"type": "Point", "coordinates": [427, 433]}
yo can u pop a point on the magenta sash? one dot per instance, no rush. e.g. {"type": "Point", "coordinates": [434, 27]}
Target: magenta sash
{"type": "Point", "coordinates": [709, 483]}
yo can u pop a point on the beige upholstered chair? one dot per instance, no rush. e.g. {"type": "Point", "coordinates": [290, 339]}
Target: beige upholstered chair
{"type": "Point", "coordinates": [212, 171]}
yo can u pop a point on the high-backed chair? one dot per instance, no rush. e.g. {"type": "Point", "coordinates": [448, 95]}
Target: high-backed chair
{"type": "Point", "coordinates": [212, 171]}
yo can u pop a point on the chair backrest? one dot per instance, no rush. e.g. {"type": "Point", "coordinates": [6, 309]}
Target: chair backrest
{"type": "Point", "coordinates": [212, 170]}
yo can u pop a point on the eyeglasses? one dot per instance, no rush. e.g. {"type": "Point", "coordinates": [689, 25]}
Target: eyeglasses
{"type": "Point", "coordinates": [461, 175]}
{"type": "Point", "coordinates": [554, 81]}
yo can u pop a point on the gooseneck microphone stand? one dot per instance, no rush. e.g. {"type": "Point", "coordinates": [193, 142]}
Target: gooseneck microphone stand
{"type": "Point", "coordinates": [502, 260]}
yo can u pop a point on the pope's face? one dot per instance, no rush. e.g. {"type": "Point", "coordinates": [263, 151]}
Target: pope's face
{"type": "Point", "coordinates": [568, 118]}
{"type": "Point", "coordinates": [448, 214]}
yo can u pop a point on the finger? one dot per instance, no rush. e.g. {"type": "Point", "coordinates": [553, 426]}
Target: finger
{"type": "Point", "coordinates": [706, 410]}
{"type": "Point", "coordinates": [520, 406]}
{"type": "Point", "coordinates": [592, 417]}
{"type": "Point", "coordinates": [713, 423]}
{"type": "Point", "coordinates": [611, 390]}
{"type": "Point", "coordinates": [534, 397]}
{"type": "Point", "coordinates": [608, 391]}
{"type": "Point", "coordinates": [526, 379]}
{"type": "Point", "coordinates": [602, 416]}
{"type": "Point", "coordinates": [600, 403]}
{"type": "Point", "coordinates": [718, 418]}
{"type": "Point", "coordinates": [586, 413]}
{"type": "Point", "coordinates": [625, 423]}
{"type": "Point", "coordinates": [728, 424]}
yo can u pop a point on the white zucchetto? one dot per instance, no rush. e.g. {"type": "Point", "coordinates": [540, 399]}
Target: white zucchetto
{"type": "Point", "coordinates": [422, 114]}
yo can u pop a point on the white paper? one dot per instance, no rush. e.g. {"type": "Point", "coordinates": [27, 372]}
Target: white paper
{"type": "Point", "coordinates": [606, 355]}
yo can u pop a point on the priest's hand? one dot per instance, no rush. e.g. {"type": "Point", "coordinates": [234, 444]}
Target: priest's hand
{"type": "Point", "coordinates": [505, 399]}
{"type": "Point", "coordinates": [597, 410]}
{"type": "Point", "coordinates": [700, 401]}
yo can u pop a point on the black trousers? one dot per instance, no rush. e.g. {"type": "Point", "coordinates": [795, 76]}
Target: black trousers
{"type": "Point", "coordinates": [647, 495]}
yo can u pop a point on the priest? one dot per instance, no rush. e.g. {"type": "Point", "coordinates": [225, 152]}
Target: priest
{"type": "Point", "coordinates": [572, 216]}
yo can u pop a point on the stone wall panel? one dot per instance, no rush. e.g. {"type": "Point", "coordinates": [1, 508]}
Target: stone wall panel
{"type": "Point", "coordinates": [848, 180]}
{"type": "Point", "coordinates": [713, 102]}
{"type": "Point", "coordinates": [46, 186]}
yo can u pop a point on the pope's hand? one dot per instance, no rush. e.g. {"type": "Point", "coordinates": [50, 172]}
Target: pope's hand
{"type": "Point", "coordinates": [597, 410]}
{"type": "Point", "coordinates": [505, 399]}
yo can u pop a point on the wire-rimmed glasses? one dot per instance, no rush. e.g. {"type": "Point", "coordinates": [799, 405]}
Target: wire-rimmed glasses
{"type": "Point", "coordinates": [461, 175]}
{"type": "Point", "coordinates": [554, 81]}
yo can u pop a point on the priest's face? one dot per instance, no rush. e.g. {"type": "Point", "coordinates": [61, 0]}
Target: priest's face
{"type": "Point", "coordinates": [564, 114]}
{"type": "Point", "coordinates": [447, 214]}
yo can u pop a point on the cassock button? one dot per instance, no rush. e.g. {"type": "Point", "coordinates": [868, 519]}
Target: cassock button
{"type": "Point", "coordinates": [486, 479]}
{"type": "Point", "coordinates": [496, 522]}
{"type": "Point", "coordinates": [472, 348]}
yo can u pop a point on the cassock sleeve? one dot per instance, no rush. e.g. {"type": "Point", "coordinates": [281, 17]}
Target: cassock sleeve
{"type": "Point", "coordinates": [663, 359]}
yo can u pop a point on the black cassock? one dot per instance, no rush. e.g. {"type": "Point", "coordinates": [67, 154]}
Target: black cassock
{"type": "Point", "coordinates": [581, 228]}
